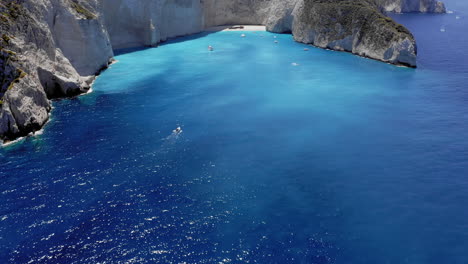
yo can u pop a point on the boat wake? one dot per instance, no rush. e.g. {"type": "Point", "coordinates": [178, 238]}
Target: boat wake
{"type": "Point", "coordinates": [172, 138]}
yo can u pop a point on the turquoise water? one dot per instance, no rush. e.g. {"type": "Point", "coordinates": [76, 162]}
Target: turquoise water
{"type": "Point", "coordinates": [286, 156]}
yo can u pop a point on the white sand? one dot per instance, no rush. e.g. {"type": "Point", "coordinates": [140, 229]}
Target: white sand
{"type": "Point", "coordinates": [227, 28]}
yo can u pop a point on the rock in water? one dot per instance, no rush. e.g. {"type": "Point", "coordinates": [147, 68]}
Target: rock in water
{"type": "Point", "coordinates": [357, 26]}
{"type": "Point", "coordinates": [354, 26]}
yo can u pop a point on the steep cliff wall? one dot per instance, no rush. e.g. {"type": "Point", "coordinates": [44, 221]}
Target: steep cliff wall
{"type": "Point", "coordinates": [244, 12]}
{"type": "Point", "coordinates": [52, 45]}
{"type": "Point", "coordinates": [354, 26]}
{"type": "Point", "coordinates": [276, 15]}
{"type": "Point", "coordinates": [133, 23]}
{"type": "Point", "coordinates": [81, 37]}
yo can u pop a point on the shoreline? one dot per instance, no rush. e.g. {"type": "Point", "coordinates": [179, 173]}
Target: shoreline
{"type": "Point", "coordinates": [4, 144]}
{"type": "Point", "coordinates": [29, 135]}
{"type": "Point", "coordinates": [227, 28]}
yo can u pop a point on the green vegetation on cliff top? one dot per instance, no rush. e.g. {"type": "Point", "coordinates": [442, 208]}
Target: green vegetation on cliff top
{"type": "Point", "coordinates": [80, 9]}
{"type": "Point", "coordinates": [9, 9]}
{"type": "Point", "coordinates": [349, 12]}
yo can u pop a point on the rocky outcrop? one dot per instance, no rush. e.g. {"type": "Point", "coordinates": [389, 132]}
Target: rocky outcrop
{"type": "Point", "coordinates": [354, 26]}
{"type": "Point", "coordinates": [401, 6]}
{"type": "Point", "coordinates": [24, 109]}
{"type": "Point", "coordinates": [54, 48]}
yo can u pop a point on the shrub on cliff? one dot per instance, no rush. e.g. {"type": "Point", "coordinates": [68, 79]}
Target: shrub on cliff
{"type": "Point", "coordinates": [80, 9]}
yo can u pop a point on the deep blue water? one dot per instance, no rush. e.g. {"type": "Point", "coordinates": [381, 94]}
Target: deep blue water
{"type": "Point", "coordinates": [339, 159]}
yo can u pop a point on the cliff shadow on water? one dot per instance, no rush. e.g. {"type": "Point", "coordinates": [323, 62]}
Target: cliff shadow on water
{"type": "Point", "coordinates": [180, 39]}
{"type": "Point", "coordinates": [124, 51]}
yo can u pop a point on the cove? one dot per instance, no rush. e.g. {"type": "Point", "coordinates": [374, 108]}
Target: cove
{"type": "Point", "coordinates": [286, 156]}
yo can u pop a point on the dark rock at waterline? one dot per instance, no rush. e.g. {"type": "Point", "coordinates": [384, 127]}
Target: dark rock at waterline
{"type": "Point", "coordinates": [354, 26]}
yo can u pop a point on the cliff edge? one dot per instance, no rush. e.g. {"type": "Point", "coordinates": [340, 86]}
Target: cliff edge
{"type": "Point", "coordinates": [49, 49]}
{"type": "Point", "coordinates": [354, 26]}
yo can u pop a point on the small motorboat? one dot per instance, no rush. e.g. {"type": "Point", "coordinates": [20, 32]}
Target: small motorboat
{"type": "Point", "coordinates": [243, 35]}
{"type": "Point", "coordinates": [178, 130]}
{"type": "Point", "coordinates": [306, 49]}
{"type": "Point", "coordinates": [210, 48]}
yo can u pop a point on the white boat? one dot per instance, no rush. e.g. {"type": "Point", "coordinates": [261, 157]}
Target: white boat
{"type": "Point", "coordinates": [178, 130]}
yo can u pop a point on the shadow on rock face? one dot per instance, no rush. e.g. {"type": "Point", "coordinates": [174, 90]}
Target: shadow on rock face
{"type": "Point", "coordinates": [57, 86]}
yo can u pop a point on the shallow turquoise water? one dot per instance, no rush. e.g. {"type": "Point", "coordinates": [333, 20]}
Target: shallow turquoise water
{"type": "Point", "coordinates": [339, 159]}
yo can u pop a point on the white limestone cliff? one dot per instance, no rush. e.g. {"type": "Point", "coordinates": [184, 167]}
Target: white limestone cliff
{"type": "Point", "coordinates": [365, 31]}
{"type": "Point", "coordinates": [54, 51]}
{"type": "Point", "coordinates": [133, 23]}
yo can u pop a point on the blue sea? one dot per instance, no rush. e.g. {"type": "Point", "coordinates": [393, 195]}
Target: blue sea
{"type": "Point", "coordinates": [285, 156]}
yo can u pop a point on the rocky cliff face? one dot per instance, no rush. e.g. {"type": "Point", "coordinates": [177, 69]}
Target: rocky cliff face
{"type": "Point", "coordinates": [133, 23]}
{"type": "Point", "coordinates": [49, 47]}
{"type": "Point", "coordinates": [276, 15]}
{"type": "Point", "coordinates": [354, 26]}
{"type": "Point", "coordinates": [53, 48]}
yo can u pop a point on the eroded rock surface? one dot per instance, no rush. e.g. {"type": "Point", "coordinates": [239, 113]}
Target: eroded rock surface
{"type": "Point", "coordinates": [133, 23]}
{"type": "Point", "coordinates": [357, 27]}
{"type": "Point", "coordinates": [55, 47]}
